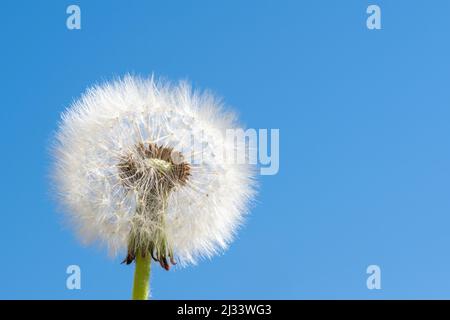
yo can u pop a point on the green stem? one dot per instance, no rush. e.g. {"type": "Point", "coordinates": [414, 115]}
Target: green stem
{"type": "Point", "coordinates": [141, 277]}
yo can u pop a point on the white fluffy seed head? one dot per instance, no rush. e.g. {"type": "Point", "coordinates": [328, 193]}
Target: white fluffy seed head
{"type": "Point", "coordinates": [133, 123]}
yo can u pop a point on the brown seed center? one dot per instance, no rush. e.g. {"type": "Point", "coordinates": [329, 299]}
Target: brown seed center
{"type": "Point", "coordinates": [153, 173]}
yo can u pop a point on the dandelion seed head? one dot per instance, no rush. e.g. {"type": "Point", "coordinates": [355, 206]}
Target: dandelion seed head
{"type": "Point", "coordinates": [138, 168]}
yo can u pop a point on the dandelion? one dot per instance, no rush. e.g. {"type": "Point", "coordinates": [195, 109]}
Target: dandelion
{"type": "Point", "coordinates": [140, 167]}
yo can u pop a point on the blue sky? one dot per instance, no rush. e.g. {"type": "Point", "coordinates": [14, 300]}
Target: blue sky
{"type": "Point", "coordinates": [364, 141]}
